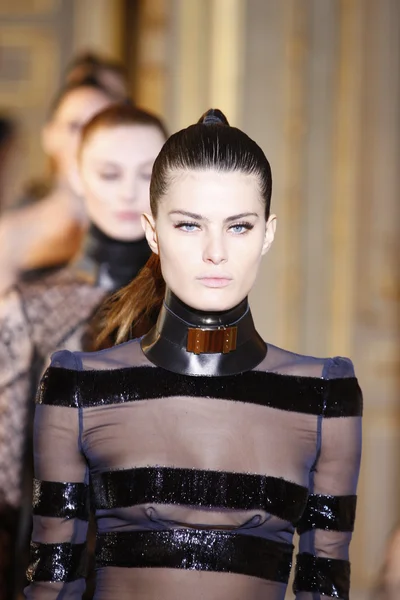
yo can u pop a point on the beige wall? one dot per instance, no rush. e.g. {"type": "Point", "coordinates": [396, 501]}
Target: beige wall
{"type": "Point", "coordinates": [316, 83]}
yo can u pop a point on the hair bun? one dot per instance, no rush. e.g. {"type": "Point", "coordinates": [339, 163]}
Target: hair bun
{"type": "Point", "coordinates": [213, 117]}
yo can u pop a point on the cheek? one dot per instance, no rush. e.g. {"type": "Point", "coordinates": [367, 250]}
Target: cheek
{"type": "Point", "coordinates": [97, 192]}
{"type": "Point", "coordinates": [246, 249]}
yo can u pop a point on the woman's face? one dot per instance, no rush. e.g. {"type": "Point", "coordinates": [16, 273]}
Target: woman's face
{"type": "Point", "coordinates": [61, 135]}
{"type": "Point", "coordinates": [210, 232]}
{"type": "Point", "coordinates": [115, 171]}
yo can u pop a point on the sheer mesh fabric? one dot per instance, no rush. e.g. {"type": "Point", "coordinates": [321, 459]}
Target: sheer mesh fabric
{"type": "Point", "coordinates": [149, 458]}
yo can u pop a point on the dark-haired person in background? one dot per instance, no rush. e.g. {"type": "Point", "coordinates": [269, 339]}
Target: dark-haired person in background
{"type": "Point", "coordinates": [49, 232]}
{"type": "Point", "coordinates": [116, 155]}
{"type": "Point", "coordinates": [201, 446]}
{"type": "Point", "coordinates": [110, 73]}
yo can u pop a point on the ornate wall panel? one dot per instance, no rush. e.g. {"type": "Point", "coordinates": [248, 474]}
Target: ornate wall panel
{"type": "Point", "coordinates": [28, 8]}
{"type": "Point", "coordinates": [29, 65]}
{"type": "Point", "coordinates": [152, 58]}
{"type": "Point", "coordinates": [35, 44]}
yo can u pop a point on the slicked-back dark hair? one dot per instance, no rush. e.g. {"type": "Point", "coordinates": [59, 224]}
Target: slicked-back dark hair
{"type": "Point", "coordinates": [211, 144]}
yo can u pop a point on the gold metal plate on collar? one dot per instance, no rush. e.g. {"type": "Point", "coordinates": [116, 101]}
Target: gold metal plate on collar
{"type": "Point", "coordinates": [211, 341]}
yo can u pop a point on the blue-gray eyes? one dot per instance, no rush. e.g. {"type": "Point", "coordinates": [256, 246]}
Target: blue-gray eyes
{"type": "Point", "coordinates": [236, 228]}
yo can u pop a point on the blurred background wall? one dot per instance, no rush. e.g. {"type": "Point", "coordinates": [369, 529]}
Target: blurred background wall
{"type": "Point", "coordinates": [317, 84]}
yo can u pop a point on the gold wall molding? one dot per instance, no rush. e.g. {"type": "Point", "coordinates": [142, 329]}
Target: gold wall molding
{"type": "Point", "coordinates": [152, 55]}
{"type": "Point", "coordinates": [346, 157]}
{"type": "Point", "coordinates": [206, 44]}
{"type": "Point", "coordinates": [226, 57]}
{"type": "Point", "coordinates": [292, 200]}
{"type": "Point", "coordinates": [98, 27]}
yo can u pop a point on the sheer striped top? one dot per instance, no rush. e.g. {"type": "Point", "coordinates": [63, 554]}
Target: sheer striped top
{"type": "Point", "coordinates": [198, 483]}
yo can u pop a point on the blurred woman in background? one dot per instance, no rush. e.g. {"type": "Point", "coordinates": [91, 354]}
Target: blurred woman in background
{"type": "Point", "coordinates": [116, 155]}
{"type": "Point", "coordinates": [49, 232]}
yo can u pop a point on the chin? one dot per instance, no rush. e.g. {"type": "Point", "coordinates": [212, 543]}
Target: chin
{"type": "Point", "coordinates": [212, 301]}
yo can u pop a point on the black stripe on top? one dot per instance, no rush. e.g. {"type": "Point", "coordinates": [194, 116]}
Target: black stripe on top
{"type": "Point", "coordinates": [192, 487]}
{"type": "Point", "coordinates": [310, 395]}
{"type": "Point", "coordinates": [333, 513]}
{"type": "Point", "coordinates": [63, 500]}
{"type": "Point", "coordinates": [327, 576]}
{"type": "Point", "coordinates": [56, 562]}
{"type": "Point", "coordinates": [194, 549]}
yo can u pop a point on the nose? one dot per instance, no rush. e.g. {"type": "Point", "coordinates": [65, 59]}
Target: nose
{"type": "Point", "coordinates": [214, 250]}
{"type": "Point", "coordinates": [128, 192]}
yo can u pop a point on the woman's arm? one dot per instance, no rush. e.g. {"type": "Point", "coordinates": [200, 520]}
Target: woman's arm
{"type": "Point", "coordinates": [323, 567]}
{"type": "Point", "coordinates": [60, 502]}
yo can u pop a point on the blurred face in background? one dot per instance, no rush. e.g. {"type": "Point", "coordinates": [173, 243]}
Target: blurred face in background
{"type": "Point", "coordinates": [61, 135]}
{"type": "Point", "coordinates": [115, 167]}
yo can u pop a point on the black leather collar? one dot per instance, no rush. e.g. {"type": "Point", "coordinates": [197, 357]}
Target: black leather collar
{"type": "Point", "coordinates": [166, 343]}
{"type": "Point", "coordinates": [109, 263]}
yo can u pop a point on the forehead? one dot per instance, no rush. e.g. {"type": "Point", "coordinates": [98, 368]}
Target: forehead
{"type": "Point", "coordinates": [82, 102]}
{"type": "Point", "coordinates": [124, 142]}
{"type": "Point", "coordinates": [213, 193]}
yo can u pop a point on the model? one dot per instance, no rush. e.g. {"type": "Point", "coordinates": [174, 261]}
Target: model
{"type": "Point", "coordinates": [201, 447]}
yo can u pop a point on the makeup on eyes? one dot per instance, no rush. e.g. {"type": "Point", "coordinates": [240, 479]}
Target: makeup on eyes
{"type": "Point", "coordinates": [245, 224]}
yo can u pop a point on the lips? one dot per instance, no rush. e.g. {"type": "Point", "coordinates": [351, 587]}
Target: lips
{"type": "Point", "coordinates": [127, 215]}
{"type": "Point", "coordinates": [214, 281]}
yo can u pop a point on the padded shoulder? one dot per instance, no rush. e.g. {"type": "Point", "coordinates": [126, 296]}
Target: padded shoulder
{"type": "Point", "coordinates": [338, 368]}
{"type": "Point", "coordinates": [64, 359]}
{"type": "Point", "coordinates": [58, 386]}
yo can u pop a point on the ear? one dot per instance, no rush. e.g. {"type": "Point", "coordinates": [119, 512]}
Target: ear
{"type": "Point", "coordinates": [269, 234]}
{"type": "Point", "coordinates": [149, 227]}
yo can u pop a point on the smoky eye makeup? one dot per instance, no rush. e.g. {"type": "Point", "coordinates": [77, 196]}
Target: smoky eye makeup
{"type": "Point", "coordinates": [243, 225]}
{"type": "Point", "coordinates": [187, 225]}
{"type": "Point", "coordinates": [108, 175]}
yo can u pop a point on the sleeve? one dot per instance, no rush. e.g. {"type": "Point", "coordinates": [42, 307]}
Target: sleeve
{"type": "Point", "coordinates": [60, 499]}
{"type": "Point", "coordinates": [325, 529]}
{"type": "Point", "coordinates": [16, 356]}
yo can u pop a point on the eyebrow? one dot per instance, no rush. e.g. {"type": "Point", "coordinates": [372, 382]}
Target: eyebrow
{"type": "Point", "coordinates": [198, 217]}
{"type": "Point", "coordinates": [110, 163]}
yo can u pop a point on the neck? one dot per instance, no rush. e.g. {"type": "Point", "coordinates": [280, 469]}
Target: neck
{"type": "Point", "coordinates": [110, 263]}
{"type": "Point", "coordinates": [194, 342]}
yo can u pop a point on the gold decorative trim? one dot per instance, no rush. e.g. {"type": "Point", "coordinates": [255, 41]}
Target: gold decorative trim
{"type": "Point", "coordinates": [347, 129]}
{"type": "Point", "coordinates": [290, 283]}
